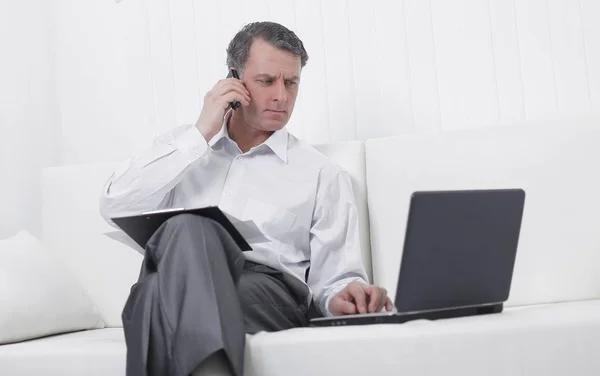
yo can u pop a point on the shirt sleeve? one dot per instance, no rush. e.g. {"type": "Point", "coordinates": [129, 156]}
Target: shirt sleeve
{"type": "Point", "coordinates": [336, 257]}
{"type": "Point", "coordinates": [143, 182]}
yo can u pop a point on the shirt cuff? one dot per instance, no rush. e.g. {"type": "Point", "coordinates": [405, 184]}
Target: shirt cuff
{"type": "Point", "coordinates": [191, 144]}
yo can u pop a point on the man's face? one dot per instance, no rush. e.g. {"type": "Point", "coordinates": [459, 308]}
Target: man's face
{"type": "Point", "coordinates": [272, 77]}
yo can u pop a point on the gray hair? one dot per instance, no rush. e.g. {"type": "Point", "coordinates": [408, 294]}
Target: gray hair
{"type": "Point", "coordinates": [273, 33]}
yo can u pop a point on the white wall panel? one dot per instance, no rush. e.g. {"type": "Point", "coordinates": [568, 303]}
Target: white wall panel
{"type": "Point", "coordinates": [507, 61]}
{"type": "Point", "coordinates": [313, 88]}
{"type": "Point", "coordinates": [210, 50]}
{"type": "Point", "coordinates": [568, 53]}
{"type": "Point", "coordinates": [366, 80]}
{"type": "Point", "coordinates": [452, 76]}
{"type": "Point", "coordinates": [393, 74]}
{"type": "Point", "coordinates": [539, 83]}
{"type": "Point", "coordinates": [590, 14]}
{"type": "Point", "coordinates": [423, 65]}
{"type": "Point", "coordinates": [340, 70]}
{"type": "Point", "coordinates": [160, 33]}
{"type": "Point", "coordinates": [185, 61]}
{"type": "Point", "coordinates": [481, 92]}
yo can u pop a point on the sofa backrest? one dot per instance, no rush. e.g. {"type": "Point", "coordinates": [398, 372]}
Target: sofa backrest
{"type": "Point", "coordinates": [97, 253]}
{"type": "Point", "coordinates": [73, 228]}
{"type": "Point", "coordinates": [558, 257]}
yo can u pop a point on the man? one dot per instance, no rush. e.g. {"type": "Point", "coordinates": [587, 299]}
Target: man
{"type": "Point", "coordinates": [198, 293]}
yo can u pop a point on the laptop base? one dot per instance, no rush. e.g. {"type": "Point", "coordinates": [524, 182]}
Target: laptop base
{"type": "Point", "coordinates": [399, 318]}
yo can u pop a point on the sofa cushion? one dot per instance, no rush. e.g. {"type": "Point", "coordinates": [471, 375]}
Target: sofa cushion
{"type": "Point", "coordinates": [559, 339]}
{"type": "Point", "coordinates": [38, 296]}
{"type": "Point", "coordinates": [90, 353]}
{"type": "Point", "coordinates": [74, 229]}
{"type": "Point", "coordinates": [558, 257]}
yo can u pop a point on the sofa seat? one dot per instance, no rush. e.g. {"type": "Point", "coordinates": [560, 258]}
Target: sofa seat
{"type": "Point", "coordinates": [553, 339]}
{"type": "Point", "coordinates": [90, 353]}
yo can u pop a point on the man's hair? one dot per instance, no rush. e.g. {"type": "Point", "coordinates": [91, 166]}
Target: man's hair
{"type": "Point", "coordinates": [273, 33]}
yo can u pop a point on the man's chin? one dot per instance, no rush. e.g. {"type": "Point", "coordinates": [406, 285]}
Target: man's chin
{"type": "Point", "coordinates": [273, 125]}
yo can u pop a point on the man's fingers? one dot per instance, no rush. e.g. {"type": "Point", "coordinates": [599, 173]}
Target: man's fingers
{"type": "Point", "coordinates": [234, 96]}
{"type": "Point", "coordinates": [388, 304]}
{"type": "Point", "coordinates": [345, 307]}
{"type": "Point", "coordinates": [229, 85]}
{"type": "Point", "coordinates": [360, 297]}
{"type": "Point", "coordinates": [375, 298]}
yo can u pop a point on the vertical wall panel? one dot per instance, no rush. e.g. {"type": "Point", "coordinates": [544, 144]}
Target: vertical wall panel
{"type": "Point", "coordinates": [365, 57]}
{"type": "Point", "coordinates": [396, 100]}
{"type": "Point", "coordinates": [210, 51]}
{"type": "Point", "coordinates": [450, 56]}
{"type": "Point", "coordinates": [161, 58]}
{"type": "Point", "coordinates": [481, 92]}
{"type": "Point", "coordinates": [569, 57]}
{"type": "Point", "coordinates": [185, 61]}
{"type": "Point", "coordinates": [313, 88]}
{"type": "Point", "coordinates": [590, 13]}
{"type": "Point", "coordinates": [507, 60]}
{"type": "Point", "coordinates": [133, 112]}
{"type": "Point", "coordinates": [340, 70]}
{"type": "Point", "coordinates": [536, 58]}
{"type": "Point", "coordinates": [423, 65]}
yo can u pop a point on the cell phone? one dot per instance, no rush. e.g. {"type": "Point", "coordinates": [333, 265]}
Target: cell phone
{"type": "Point", "coordinates": [233, 73]}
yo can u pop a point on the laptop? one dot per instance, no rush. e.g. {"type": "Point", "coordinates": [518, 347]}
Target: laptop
{"type": "Point", "coordinates": [458, 258]}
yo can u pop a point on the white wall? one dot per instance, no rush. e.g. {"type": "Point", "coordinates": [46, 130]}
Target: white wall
{"type": "Point", "coordinates": [29, 138]}
{"type": "Point", "coordinates": [90, 81]}
{"type": "Point", "coordinates": [376, 68]}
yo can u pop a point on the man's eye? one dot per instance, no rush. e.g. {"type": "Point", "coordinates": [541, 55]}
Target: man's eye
{"type": "Point", "coordinates": [291, 83]}
{"type": "Point", "coordinates": [267, 82]}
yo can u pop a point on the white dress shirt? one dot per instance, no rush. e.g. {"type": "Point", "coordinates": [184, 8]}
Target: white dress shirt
{"type": "Point", "coordinates": [299, 199]}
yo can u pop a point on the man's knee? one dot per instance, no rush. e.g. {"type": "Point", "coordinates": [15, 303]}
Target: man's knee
{"type": "Point", "coordinates": [184, 232]}
{"type": "Point", "coordinates": [191, 225]}
{"type": "Point", "coordinates": [189, 221]}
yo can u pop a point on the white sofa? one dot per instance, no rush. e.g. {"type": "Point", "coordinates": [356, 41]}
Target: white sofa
{"type": "Point", "coordinates": [551, 323]}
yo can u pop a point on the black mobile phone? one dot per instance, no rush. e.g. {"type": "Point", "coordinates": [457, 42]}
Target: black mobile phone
{"type": "Point", "coordinates": [233, 73]}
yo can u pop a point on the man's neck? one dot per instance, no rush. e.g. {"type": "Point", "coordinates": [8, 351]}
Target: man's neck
{"type": "Point", "coordinates": [243, 134]}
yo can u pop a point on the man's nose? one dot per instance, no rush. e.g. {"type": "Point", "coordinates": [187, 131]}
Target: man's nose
{"type": "Point", "coordinates": [280, 94]}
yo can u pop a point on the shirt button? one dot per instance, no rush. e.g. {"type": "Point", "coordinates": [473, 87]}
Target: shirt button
{"type": "Point", "coordinates": [240, 158]}
{"type": "Point", "coordinates": [228, 193]}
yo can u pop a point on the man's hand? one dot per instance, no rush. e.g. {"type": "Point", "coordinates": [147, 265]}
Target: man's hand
{"type": "Point", "coordinates": [216, 102]}
{"type": "Point", "coordinates": [358, 297]}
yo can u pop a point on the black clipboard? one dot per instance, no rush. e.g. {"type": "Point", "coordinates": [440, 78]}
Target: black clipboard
{"type": "Point", "coordinates": [141, 227]}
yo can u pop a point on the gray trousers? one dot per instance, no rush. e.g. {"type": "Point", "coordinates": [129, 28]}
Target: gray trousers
{"type": "Point", "coordinates": [197, 295]}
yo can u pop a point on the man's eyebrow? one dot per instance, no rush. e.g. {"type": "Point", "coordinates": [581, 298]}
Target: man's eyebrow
{"type": "Point", "coordinates": [266, 75]}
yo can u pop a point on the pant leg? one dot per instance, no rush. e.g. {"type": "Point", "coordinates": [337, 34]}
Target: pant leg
{"type": "Point", "coordinates": [271, 300]}
{"type": "Point", "coordinates": [185, 307]}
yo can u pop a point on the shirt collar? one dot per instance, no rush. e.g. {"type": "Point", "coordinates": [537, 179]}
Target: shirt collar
{"type": "Point", "coordinates": [277, 142]}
